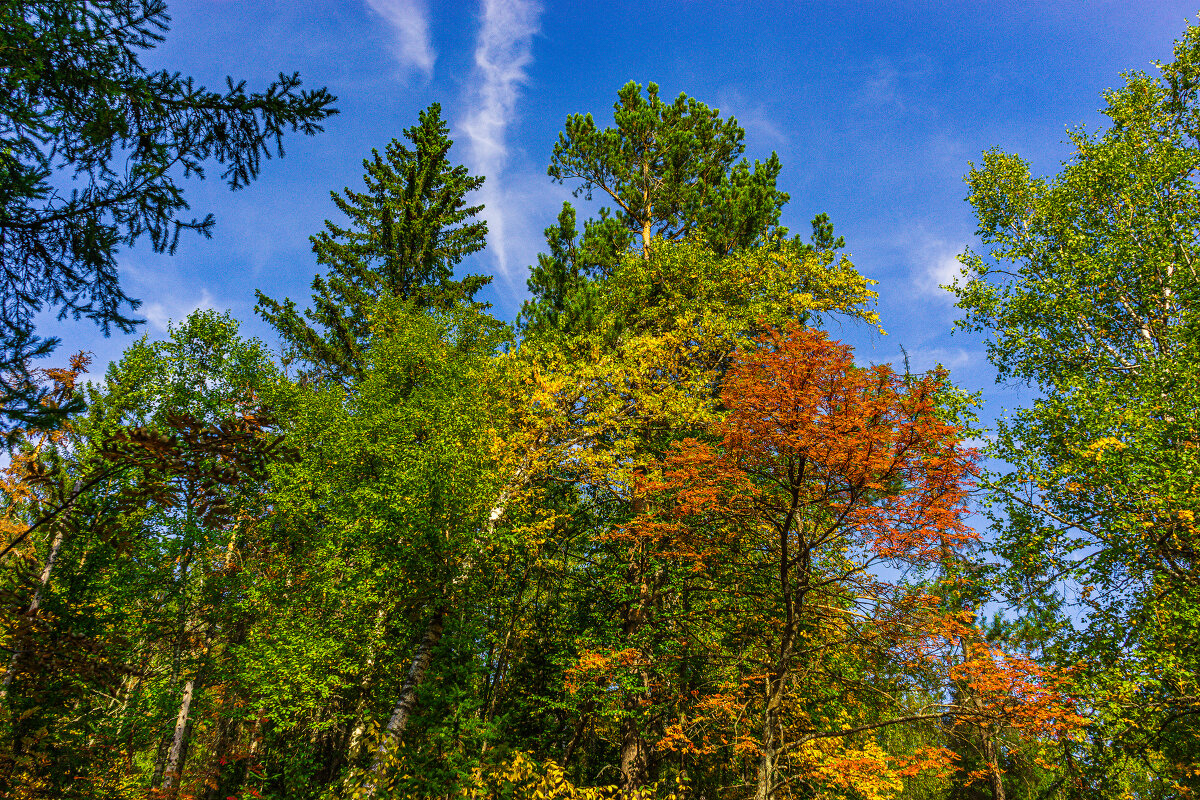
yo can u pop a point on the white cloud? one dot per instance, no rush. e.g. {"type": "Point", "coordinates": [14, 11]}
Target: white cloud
{"type": "Point", "coordinates": [923, 359]}
{"type": "Point", "coordinates": [159, 313]}
{"type": "Point", "coordinates": [503, 50]}
{"type": "Point", "coordinates": [895, 87]}
{"type": "Point", "coordinates": [943, 270]}
{"type": "Point", "coordinates": [935, 264]}
{"type": "Point", "coordinates": [756, 119]}
{"type": "Point", "coordinates": [882, 88]}
{"type": "Point", "coordinates": [409, 19]}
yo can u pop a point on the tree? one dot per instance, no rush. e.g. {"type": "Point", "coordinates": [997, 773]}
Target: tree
{"type": "Point", "coordinates": [821, 474]}
{"type": "Point", "coordinates": [671, 170]}
{"type": "Point", "coordinates": [77, 104]}
{"type": "Point", "coordinates": [1087, 288]}
{"type": "Point", "coordinates": [397, 501]}
{"type": "Point", "coordinates": [154, 492]}
{"type": "Point", "coordinates": [202, 387]}
{"type": "Point", "coordinates": [563, 283]}
{"type": "Point", "coordinates": [408, 231]}
{"type": "Point", "coordinates": [646, 371]}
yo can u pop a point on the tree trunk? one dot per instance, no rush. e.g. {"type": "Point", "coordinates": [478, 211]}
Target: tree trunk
{"type": "Point", "coordinates": [14, 663]}
{"type": "Point", "coordinates": [359, 728]}
{"type": "Point", "coordinates": [793, 598]}
{"type": "Point", "coordinates": [636, 616]}
{"type": "Point", "coordinates": [398, 721]}
{"type": "Point", "coordinates": [769, 749]}
{"type": "Point", "coordinates": [648, 210]}
{"type": "Point", "coordinates": [173, 767]}
{"type": "Point", "coordinates": [416, 674]}
{"type": "Point", "coordinates": [765, 782]}
{"type": "Point", "coordinates": [577, 736]}
{"type": "Point", "coordinates": [394, 732]}
{"type": "Point", "coordinates": [176, 758]}
{"type": "Point", "coordinates": [995, 774]}
{"type": "Point", "coordinates": [635, 761]}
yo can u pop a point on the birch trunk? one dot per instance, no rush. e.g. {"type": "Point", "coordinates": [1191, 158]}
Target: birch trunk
{"type": "Point", "coordinates": [416, 674]}
{"type": "Point", "coordinates": [14, 664]}
{"type": "Point", "coordinates": [364, 685]}
{"type": "Point", "coordinates": [177, 753]}
{"type": "Point", "coordinates": [183, 723]}
{"type": "Point", "coordinates": [398, 721]}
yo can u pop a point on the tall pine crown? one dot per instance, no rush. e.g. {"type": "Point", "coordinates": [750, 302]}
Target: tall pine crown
{"type": "Point", "coordinates": [406, 233]}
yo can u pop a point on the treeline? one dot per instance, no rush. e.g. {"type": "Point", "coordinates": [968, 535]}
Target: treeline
{"type": "Point", "coordinates": [661, 536]}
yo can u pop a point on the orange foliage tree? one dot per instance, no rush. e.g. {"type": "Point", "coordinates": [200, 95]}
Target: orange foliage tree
{"type": "Point", "coordinates": [822, 478]}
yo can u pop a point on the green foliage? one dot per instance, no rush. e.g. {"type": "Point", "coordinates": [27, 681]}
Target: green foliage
{"type": "Point", "coordinates": [653, 540]}
{"type": "Point", "coordinates": [138, 589]}
{"type": "Point", "coordinates": [1088, 291]}
{"type": "Point", "coordinates": [385, 522]}
{"type": "Point", "coordinates": [408, 230]}
{"type": "Point", "coordinates": [563, 283]}
{"type": "Point", "coordinates": [671, 171]}
{"type": "Point", "coordinates": [77, 103]}
{"type": "Point", "coordinates": [407, 463]}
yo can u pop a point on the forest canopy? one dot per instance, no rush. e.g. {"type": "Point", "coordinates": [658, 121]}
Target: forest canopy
{"type": "Point", "coordinates": [661, 536]}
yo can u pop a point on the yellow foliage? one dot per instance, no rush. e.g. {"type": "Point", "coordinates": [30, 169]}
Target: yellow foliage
{"type": "Point", "coordinates": [666, 331]}
{"type": "Point", "coordinates": [519, 777]}
{"type": "Point", "coordinates": [864, 770]}
{"type": "Point", "coordinates": [522, 778]}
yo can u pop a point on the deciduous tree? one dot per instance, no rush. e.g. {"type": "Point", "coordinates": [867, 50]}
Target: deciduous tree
{"type": "Point", "coordinates": [821, 475]}
{"type": "Point", "coordinates": [1086, 287]}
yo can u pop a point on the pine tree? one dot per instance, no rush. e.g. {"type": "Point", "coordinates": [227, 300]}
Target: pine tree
{"type": "Point", "coordinates": [407, 231]}
{"type": "Point", "coordinates": [671, 170]}
{"type": "Point", "coordinates": [563, 283]}
{"type": "Point", "coordinates": [78, 109]}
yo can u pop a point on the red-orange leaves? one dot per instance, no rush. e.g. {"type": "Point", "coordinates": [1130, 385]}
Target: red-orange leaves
{"type": "Point", "coordinates": [1017, 692]}
{"type": "Point", "coordinates": [863, 451]}
{"type": "Point", "coordinates": [819, 471]}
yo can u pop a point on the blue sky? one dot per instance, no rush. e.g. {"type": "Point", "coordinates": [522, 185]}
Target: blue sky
{"type": "Point", "coordinates": [875, 109]}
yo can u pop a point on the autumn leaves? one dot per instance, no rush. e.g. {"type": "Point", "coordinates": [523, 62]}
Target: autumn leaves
{"type": "Point", "coordinates": [776, 548]}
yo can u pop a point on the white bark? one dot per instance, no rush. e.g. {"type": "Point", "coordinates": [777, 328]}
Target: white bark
{"type": "Point", "coordinates": [14, 663]}
{"type": "Point", "coordinates": [174, 764]}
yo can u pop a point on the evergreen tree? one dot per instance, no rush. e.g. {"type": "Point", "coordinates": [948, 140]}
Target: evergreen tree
{"type": "Point", "coordinates": [672, 171]}
{"type": "Point", "coordinates": [78, 108]}
{"type": "Point", "coordinates": [563, 283]}
{"type": "Point", "coordinates": [407, 231]}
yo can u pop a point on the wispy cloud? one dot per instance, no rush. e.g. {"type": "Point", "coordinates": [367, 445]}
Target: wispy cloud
{"type": "Point", "coordinates": [893, 88]}
{"type": "Point", "coordinates": [409, 19]}
{"type": "Point", "coordinates": [942, 270]}
{"type": "Point", "coordinates": [923, 359]}
{"type": "Point", "coordinates": [503, 50]}
{"type": "Point", "coordinates": [759, 121]}
{"type": "Point", "coordinates": [158, 313]}
{"type": "Point", "coordinates": [934, 262]}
